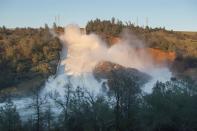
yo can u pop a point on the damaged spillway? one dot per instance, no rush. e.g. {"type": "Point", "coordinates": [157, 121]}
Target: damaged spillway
{"type": "Point", "coordinates": [87, 62]}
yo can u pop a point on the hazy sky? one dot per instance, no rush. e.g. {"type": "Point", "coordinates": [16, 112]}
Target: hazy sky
{"type": "Point", "coordinates": [173, 14]}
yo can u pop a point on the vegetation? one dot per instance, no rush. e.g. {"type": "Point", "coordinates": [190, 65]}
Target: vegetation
{"type": "Point", "coordinates": [9, 117]}
{"type": "Point", "coordinates": [171, 106]}
{"type": "Point", "coordinates": [27, 53]}
{"type": "Point", "coordinates": [184, 43]}
{"type": "Point", "coordinates": [31, 55]}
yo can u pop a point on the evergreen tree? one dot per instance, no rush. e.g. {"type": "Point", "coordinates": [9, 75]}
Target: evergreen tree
{"type": "Point", "coordinates": [9, 117]}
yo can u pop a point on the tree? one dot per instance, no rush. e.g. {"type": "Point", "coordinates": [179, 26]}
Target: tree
{"type": "Point", "coordinates": [54, 26]}
{"type": "Point", "coordinates": [9, 117]}
{"type": "Point", "coordinates": [125, 92]}
{"type": "Point", "coordinates": [38, 102]}
{"type": "Point", "coordinates": [113, 20]}
{"type": "Point", "coordinates": [46, 27]}
{"type": "Point", "coordinates": [171, 106]}
{"type": "Point", "coordinates": [4, 28]}
{"type": "Point", "coordinates": [24, 54]}
{"type": "Point", "coordinates": [49, 118]}
{"type": "Point", "coordinates": [64, 104]}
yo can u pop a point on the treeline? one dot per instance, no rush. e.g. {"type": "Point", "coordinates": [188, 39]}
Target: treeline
{"type": "Point", "coordinates": [114, 27]}
{"type": "Point", "coordinates": [26, 53]}
{"type": "Point", "coordinates": [108, 27]}
{"type": "Point", "coordinates": [170, 107]}
{"type": "Point", "coordinates": [184, 44]}
{"type": "Point", "coordinates": [157, 37]}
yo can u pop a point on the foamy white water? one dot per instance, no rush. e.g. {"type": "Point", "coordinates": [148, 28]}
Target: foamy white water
{"type": "Point", "coordinates": [79, 56]}
{"type": "Point", "coordinates": [162, 74]}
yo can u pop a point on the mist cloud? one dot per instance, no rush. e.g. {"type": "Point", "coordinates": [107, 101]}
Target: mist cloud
{"type": "Point", "coordinates": [85, 51]}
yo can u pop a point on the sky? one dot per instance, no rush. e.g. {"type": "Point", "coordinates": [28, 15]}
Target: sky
{"type": "Point", "coordinates": [178, 15]}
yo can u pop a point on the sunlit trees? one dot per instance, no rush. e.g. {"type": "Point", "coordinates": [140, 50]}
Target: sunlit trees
{"type": "Point", "coordinates": [25, 52]}
{"type": "Point", "coordinates": [107, 27]}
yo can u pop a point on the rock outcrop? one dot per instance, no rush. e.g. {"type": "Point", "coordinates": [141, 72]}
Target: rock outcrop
{"type": "Point", "coordinates": [107, 70]}
{"type": "Point", "coordinates": [160, 56]}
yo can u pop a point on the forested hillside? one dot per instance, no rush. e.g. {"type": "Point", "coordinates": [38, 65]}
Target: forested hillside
{"type": "Point", "coordinates": [27, 55]}
{"type": "Point", "coordinates": [183, 44]}
{"type": "Point", "coordinates": [31, 55]}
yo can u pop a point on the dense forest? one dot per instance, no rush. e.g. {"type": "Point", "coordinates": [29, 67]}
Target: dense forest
{"type": "Point", "coordinates": [27, 54]}
{"type": "Point", "coordinates": [170, 107]}
{"type": "Point", "coordinates": [184, 43]}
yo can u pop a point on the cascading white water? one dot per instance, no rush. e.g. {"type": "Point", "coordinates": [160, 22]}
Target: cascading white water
{"type": "Point", "coordinates": [81, 53]}
{"type": "Point", "coordinates": [84, 51]}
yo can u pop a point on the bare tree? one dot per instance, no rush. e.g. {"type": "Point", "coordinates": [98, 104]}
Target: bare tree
{"type": "Point", "coordinates": [48, 118]}
{"type": "Point", "coordinates": [37, 104]}
{"type": "Point", "coordinates": [64, 103]}
{"type": "Point", "coordinates": [9, 117]}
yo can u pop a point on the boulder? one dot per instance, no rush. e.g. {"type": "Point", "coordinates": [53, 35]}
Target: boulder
{"type": "Point", "coordinates": [109, 71]}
